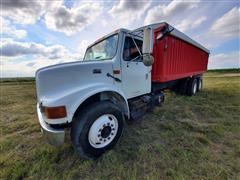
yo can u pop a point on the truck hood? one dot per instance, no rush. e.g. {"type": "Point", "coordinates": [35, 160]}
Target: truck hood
{"type": "Point", "coordinates": [56, 81]}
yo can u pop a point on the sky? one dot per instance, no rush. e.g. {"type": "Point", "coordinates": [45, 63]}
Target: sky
{"type": "Point", "coordinates": [36, 33]}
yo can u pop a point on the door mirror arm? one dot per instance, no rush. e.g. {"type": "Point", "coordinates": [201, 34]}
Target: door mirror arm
{"type": "Point", "coordinates": [168, 31]}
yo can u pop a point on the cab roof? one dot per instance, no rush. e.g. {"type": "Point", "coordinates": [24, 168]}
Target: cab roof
{"type": "Point", "coordinates": [110, 34]}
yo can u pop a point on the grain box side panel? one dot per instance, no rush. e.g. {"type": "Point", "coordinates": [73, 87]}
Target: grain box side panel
{"type": "Point", "coordinates": [176, 59]}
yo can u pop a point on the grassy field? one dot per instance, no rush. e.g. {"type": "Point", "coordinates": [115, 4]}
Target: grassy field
{"type": "Point", "coordinates": [187, 138]}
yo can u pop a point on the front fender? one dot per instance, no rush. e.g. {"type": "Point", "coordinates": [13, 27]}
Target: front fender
{"type": "Point", "coordinates": [73, 99]}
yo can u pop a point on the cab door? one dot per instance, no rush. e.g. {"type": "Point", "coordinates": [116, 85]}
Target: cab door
{"type": "Point", "coordinates": [136, 77]}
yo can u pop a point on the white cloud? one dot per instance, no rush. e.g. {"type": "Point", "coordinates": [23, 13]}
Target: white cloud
{"type": "Point", "coordinates": [70, 21]}
{"type": "Point", "coordinates": [188, 24]}
{"type": "Point", "coordinates": [169, 12]}
{"type": "Point", "coordinates": [15, 61]}
{"type": "Point", "coordinates": [126, 11]}
{"type": "Point", "coordinates": [55, 14]}
{"type": "Point", "coordinates": [227, 26]}
{"type": "Point", "coordinates": [10, 48]}
{"type": "Point", "coordinates": [224, 61]}
{"type": "Point", "coordinates": [10, 30]}
{"type": "Point", "coordinates": [25, 11]}
{"type": "Point", "coordinates": [24, 68]}
{"type": "Point", "coordinates": [222, 30]}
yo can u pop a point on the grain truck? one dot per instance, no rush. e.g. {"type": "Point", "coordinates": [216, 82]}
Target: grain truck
{"type": "Point", "coordinates": [122, 76]}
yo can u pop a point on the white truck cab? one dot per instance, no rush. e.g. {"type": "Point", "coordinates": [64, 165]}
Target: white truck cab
{"type": "Point", "coordinates": [111, 73]}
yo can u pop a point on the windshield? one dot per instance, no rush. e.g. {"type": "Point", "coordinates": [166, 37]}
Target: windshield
{"type": "Point", "coordinates": [106, 49]}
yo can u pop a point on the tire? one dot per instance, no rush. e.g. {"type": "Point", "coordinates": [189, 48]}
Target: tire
{"type": "Point", "coordinates": [192, 87]}
{"type": "Point", "coordinates": [104, 118]}
{"type": "Point", "coordinates": [200, 84]}
{"type": "Point", "coordinates": [184, 86]}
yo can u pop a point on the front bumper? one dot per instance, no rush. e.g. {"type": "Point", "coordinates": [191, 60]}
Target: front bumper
{"type": "Point", "coordinates": [54, 136]}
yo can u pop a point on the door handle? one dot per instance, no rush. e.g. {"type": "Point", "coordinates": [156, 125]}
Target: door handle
{"type": "Point", "coordinates": [97, 71]}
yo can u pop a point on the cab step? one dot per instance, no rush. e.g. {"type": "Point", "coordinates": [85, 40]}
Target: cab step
{"type": "Point", "coordinates": [140, 106]}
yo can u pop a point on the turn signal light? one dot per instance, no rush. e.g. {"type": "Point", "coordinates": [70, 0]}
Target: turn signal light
{"type": "Point", "coordinates": [55, 112]}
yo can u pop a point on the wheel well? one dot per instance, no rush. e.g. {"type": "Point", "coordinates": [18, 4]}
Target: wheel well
{"type": "Point", "coordinates": [106, 96]}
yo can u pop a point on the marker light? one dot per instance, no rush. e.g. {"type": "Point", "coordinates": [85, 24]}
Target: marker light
{"type": "Point", "coordinates": [116, 71]}
{"type": "Point", "coordinates": [55, 112]}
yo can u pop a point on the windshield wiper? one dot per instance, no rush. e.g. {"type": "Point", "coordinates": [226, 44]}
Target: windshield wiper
{"type": "Point", "coordinates": [97, 57]}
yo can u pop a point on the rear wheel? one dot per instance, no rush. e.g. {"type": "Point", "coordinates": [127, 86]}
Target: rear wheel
{"type": "Point", "coordinates": [192, 87]}
{"type": "Point", "coordinates": [96, 129]}
{"type": "Point", "coordinates": [200, 85]}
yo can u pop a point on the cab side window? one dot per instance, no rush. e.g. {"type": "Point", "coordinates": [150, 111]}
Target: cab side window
{"type": "Point", "coordinates": [130, 51]}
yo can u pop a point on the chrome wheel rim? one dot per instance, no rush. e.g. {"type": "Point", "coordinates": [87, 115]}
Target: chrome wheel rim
{"type": "Point", "coordinates": [103, 131]}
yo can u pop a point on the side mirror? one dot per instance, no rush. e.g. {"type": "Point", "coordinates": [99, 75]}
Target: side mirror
{"type": "Point", "coordinates": [147, 41]}
{"type": "Point", "coordinates": [147, 49]}
{"type": "Point", "coordinates": [148, 59]}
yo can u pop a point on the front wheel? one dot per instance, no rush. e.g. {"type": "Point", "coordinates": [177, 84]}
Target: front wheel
{"type": "Point", "coordinates": [96, 129]}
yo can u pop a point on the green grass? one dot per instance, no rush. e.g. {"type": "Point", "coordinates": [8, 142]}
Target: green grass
{"type": "Point", "coordinates": [233, 70]}
{"type": "Point", "coordinates": [17, 80]}
{"type": "Point", "coordinates": [187, 138]}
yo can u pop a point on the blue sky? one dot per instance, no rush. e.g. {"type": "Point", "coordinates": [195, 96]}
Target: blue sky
{"type": "Point", "coordinates": [35, 34]}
